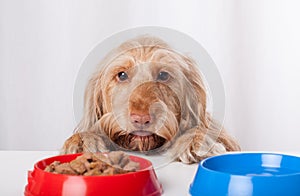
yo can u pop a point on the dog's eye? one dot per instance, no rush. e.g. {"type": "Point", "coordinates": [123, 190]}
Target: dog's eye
{"type": "Point", "coordinates": [163, 76]}
{"type": "Point", "coordinates": [122, 76]}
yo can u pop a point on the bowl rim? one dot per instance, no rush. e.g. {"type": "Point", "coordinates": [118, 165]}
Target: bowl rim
{"type": "Point", "coordinates": [201, 165]}
{"type": "Point", "coordinates": [36, 167]}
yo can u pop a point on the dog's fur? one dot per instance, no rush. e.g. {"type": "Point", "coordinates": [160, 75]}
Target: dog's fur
{"type": "Point", "coordinates": [159, 106]}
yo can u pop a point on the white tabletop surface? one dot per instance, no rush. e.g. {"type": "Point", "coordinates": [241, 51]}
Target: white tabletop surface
{"type": "Point", "coordinates": [175, 177]}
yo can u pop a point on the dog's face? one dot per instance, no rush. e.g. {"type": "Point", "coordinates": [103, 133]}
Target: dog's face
{"type": "Point", "coordinates": [145, 95]}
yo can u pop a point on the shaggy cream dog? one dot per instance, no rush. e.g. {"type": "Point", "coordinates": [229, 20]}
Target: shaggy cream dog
{"type": "Point", "coordinates": [147, 97]}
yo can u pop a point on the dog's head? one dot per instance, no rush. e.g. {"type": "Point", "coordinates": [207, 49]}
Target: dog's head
{"type": "Point", "coordinates": [144, 95]}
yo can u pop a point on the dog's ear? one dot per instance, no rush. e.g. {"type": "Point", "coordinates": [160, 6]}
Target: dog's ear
{"type": "Point", "coordinates": [93, 103]}
{"type": "Point", "coordinates": [195, 93]}
{"type": "Point", "coordinates": [214, 132]}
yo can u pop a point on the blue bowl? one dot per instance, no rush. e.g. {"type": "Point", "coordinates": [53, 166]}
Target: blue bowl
{"type": "Point", "coordinates": [244, 174]}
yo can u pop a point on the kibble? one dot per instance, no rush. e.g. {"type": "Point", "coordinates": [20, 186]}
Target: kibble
{"type": "Point", "coordinates": [91, 164]}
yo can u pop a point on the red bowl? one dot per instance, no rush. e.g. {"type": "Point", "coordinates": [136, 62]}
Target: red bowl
{"type": "Point", "coordinates": [142, 182]}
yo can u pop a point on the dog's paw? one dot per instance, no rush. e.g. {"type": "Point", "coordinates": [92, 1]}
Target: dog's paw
{"type": "Point", "coordinates": [84, 142]}
{"type": "Point", "coordinates": [201, 147]}
{"type": "Point", "coordinates": [196, 153]}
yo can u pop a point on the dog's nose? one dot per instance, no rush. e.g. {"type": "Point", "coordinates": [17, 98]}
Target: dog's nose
{"type": "Point", "coordinates": [140, 120]}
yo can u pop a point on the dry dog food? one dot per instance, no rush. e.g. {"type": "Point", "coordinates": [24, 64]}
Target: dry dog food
{"type": "Point", "coordinates": [91, 164]}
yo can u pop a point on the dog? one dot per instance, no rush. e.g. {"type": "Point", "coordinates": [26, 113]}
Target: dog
{"type": "Point", "coordinates": [149, 98]}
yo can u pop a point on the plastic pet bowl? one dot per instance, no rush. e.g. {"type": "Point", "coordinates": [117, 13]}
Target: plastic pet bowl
{"type": "Point", "coordinates": [244, 174]}
{"type": "Point", "coordinates": [141, 182]}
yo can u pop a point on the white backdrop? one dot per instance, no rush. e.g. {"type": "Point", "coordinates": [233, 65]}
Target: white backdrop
{"type": "Point", "coordinates": [254, 43]}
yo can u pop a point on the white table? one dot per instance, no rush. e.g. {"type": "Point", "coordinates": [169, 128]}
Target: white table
{"type": "Point", "coordinates": [175, 177]}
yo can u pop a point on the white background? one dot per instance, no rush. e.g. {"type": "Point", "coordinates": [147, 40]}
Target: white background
{"type": "Point", "coordinates": [254, 43]}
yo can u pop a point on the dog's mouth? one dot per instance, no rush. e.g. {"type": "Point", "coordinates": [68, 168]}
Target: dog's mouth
{"type": "Point", "coordinates": [139, 140]}
{"type": "Point", "coordinates": [141, 133]}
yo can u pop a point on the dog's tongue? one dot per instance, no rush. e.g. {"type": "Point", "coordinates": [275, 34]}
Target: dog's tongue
{"type": "Point", "coordinates": [142, 133]}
